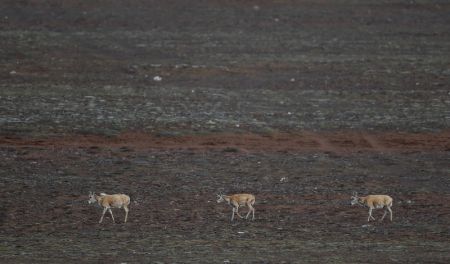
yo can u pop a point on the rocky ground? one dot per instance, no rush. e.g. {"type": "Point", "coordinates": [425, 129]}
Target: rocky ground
{"type": "Point", "coordinates": [173, 102]}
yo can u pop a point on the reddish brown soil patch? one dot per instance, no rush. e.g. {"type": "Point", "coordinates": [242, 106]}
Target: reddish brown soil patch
{"type": "Point", "coordinates": [339, 142]}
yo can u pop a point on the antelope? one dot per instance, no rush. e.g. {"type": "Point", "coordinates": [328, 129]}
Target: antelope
{"type": "Point", "coordinates": [238, 200]}
{"type": "Point", "coordinates": [110, 201]}
{"type": "Point", "coordinates": [374, 202]}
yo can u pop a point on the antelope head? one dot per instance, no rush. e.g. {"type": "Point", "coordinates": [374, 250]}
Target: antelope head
{"type": "Point", "coordinates": [92, 198]}
{"type": "Point", "coordinates": [220, 198]}
{"type": "Point", "coordinates": [355, 199]}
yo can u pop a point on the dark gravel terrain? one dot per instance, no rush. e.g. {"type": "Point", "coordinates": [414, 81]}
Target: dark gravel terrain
{"type": "Point", "coordinates": [298, 102]}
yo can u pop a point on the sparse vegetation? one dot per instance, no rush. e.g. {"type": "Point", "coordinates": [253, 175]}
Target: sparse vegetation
{"type": "Point", "coordinates": [335, 96]}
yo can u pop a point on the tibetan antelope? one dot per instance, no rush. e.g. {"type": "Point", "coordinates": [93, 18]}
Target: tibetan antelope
{"type": "Point", "coordinates": [239, 200]}
{"type": "Point", "coordinates": [374, 202]}
{"type": "Point", "coordinates": [110, 201]}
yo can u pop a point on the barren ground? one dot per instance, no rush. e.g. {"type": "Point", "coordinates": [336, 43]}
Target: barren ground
{"type": "Point", "coordinates": [334, 96]}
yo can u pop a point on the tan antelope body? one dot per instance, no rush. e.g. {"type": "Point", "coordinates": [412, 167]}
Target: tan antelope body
{"type": "Point", "coordinates": [374, 202]}
{"type": "Point", "coordinates": [108, 201]}
{"type": "Point", "coordinates": [239, 200]}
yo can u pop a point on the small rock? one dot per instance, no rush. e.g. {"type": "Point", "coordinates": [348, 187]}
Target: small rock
{"type": "Point", "coordinates": [157, 78]}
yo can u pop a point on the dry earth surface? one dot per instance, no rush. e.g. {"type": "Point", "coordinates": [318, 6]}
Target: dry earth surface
{"type": "Point", "coordinates": [332, 96]}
